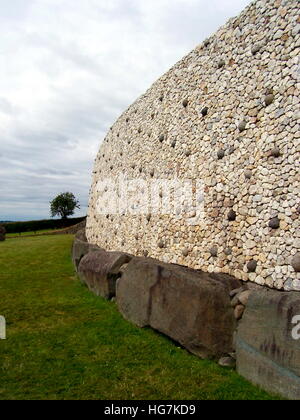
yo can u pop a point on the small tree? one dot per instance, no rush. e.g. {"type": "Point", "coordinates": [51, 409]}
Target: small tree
{"type": "Point", "coordinates": [64, 205]}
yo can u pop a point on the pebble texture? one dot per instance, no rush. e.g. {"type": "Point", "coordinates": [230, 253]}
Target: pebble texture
{"type": "Point", "coordinates": [245, 149]}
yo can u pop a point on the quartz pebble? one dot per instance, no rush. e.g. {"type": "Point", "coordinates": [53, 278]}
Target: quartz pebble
{"type": "Point", "coordinates": [226, 120]}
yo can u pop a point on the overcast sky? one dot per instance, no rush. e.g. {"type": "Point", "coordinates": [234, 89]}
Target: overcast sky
{"type": "Point", "coordinates": [68, 69]}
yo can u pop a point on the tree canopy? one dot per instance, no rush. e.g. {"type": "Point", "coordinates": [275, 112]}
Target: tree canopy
{"type": "Point", "coordinates": [64, 205]}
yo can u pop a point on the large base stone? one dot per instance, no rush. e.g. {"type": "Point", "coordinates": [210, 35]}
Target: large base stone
{"type": "Point", "coordinates": [81, 247]}
{"type": "Point", "coordinates": [191, 307]}
{"type": "Point", "coordinates": [81, 236]}
{"type": "Point", "coordinates": [267, 353]}
{"type": "Point", "coordinates": [99, 270]}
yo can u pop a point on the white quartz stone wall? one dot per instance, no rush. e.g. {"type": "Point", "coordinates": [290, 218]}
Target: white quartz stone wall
{"type": "Point", "coordinates": [244, 148]}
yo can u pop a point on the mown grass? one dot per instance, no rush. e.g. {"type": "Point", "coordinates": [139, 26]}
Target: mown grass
{"type": "Point", "coordinates": [65, 343]}
{"type": "Point", "coordinates": [21, 234]}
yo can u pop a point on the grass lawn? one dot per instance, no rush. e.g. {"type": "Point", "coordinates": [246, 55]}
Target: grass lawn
{"type": "Point", "coordinates": [65, 343]}
{"type": "Point", "coordinates": [38, 232]}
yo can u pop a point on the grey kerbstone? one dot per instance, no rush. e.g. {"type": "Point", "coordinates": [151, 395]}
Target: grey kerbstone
{"type": "Point", "coordinates": [80, 248]}
{"type": "Point", "coordinates": [81, 235]}
{"type": "Point", "coordinates": [227, 361]}
{"type": "Point", "coordinates": [100, 270]}
{"type": "Point", "coordinates": [191, 307]}
{"type": "Point", "coordinates": [235, 301]}
{"type": "Point", "coordinates": [267, 353]}
{"type": "Point", "coordinates": [238, 311]}
{"type": "Point", "coordinates": [244, 297]}
{"type": "Point", "coordinates": [237, 291]}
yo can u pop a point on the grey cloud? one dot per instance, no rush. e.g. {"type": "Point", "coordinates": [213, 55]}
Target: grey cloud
{"type": "Point", "coordinates": [65, 51]}
{"type": "Point", "coordinates": [68, 69]}
{"type": "Point", "coordinates": [6, 107]}
{"type": "Point", "coordinates": [14, 10]}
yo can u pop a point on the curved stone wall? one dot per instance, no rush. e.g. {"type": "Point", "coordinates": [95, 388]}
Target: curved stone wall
{"type": "Point", "coordinates": [226, 117]}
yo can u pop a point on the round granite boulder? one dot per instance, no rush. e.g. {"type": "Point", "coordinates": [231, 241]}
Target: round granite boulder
{"type": "Point", "coordinates": [251, 266]}
{"type": "Point", "coordinates": [255, 49]}
{"type": "Point", "coordinates": [242, 126]}
{"type": "Point", "coordinates": [231, 216]}
{"type": "Point", "coordinates": [269, 99]}
{"type": "Point", "coordinates": [185, 252]}
{"type": "Point", "coordinates": [274, 223]}
{"type": "Point", "coordinates": [275, 152]}
{"type": "Point", "coordinates": [296, 262]}
{"type": "Point", "coordinates": [204, 111]}
{"type": "Point", "coordinates": [221, 154]}
{"type": "Point", "coordinates": [214, 251]}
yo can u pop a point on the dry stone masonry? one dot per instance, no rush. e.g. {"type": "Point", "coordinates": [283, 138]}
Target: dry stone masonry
{"type": "Point", "coordinates": [228, 115]}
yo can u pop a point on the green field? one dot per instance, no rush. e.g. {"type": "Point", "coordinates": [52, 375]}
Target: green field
{"type": "Point", "coordinates": [65, 343]}
{"type": "Point", "coordinates": [38, 232]}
